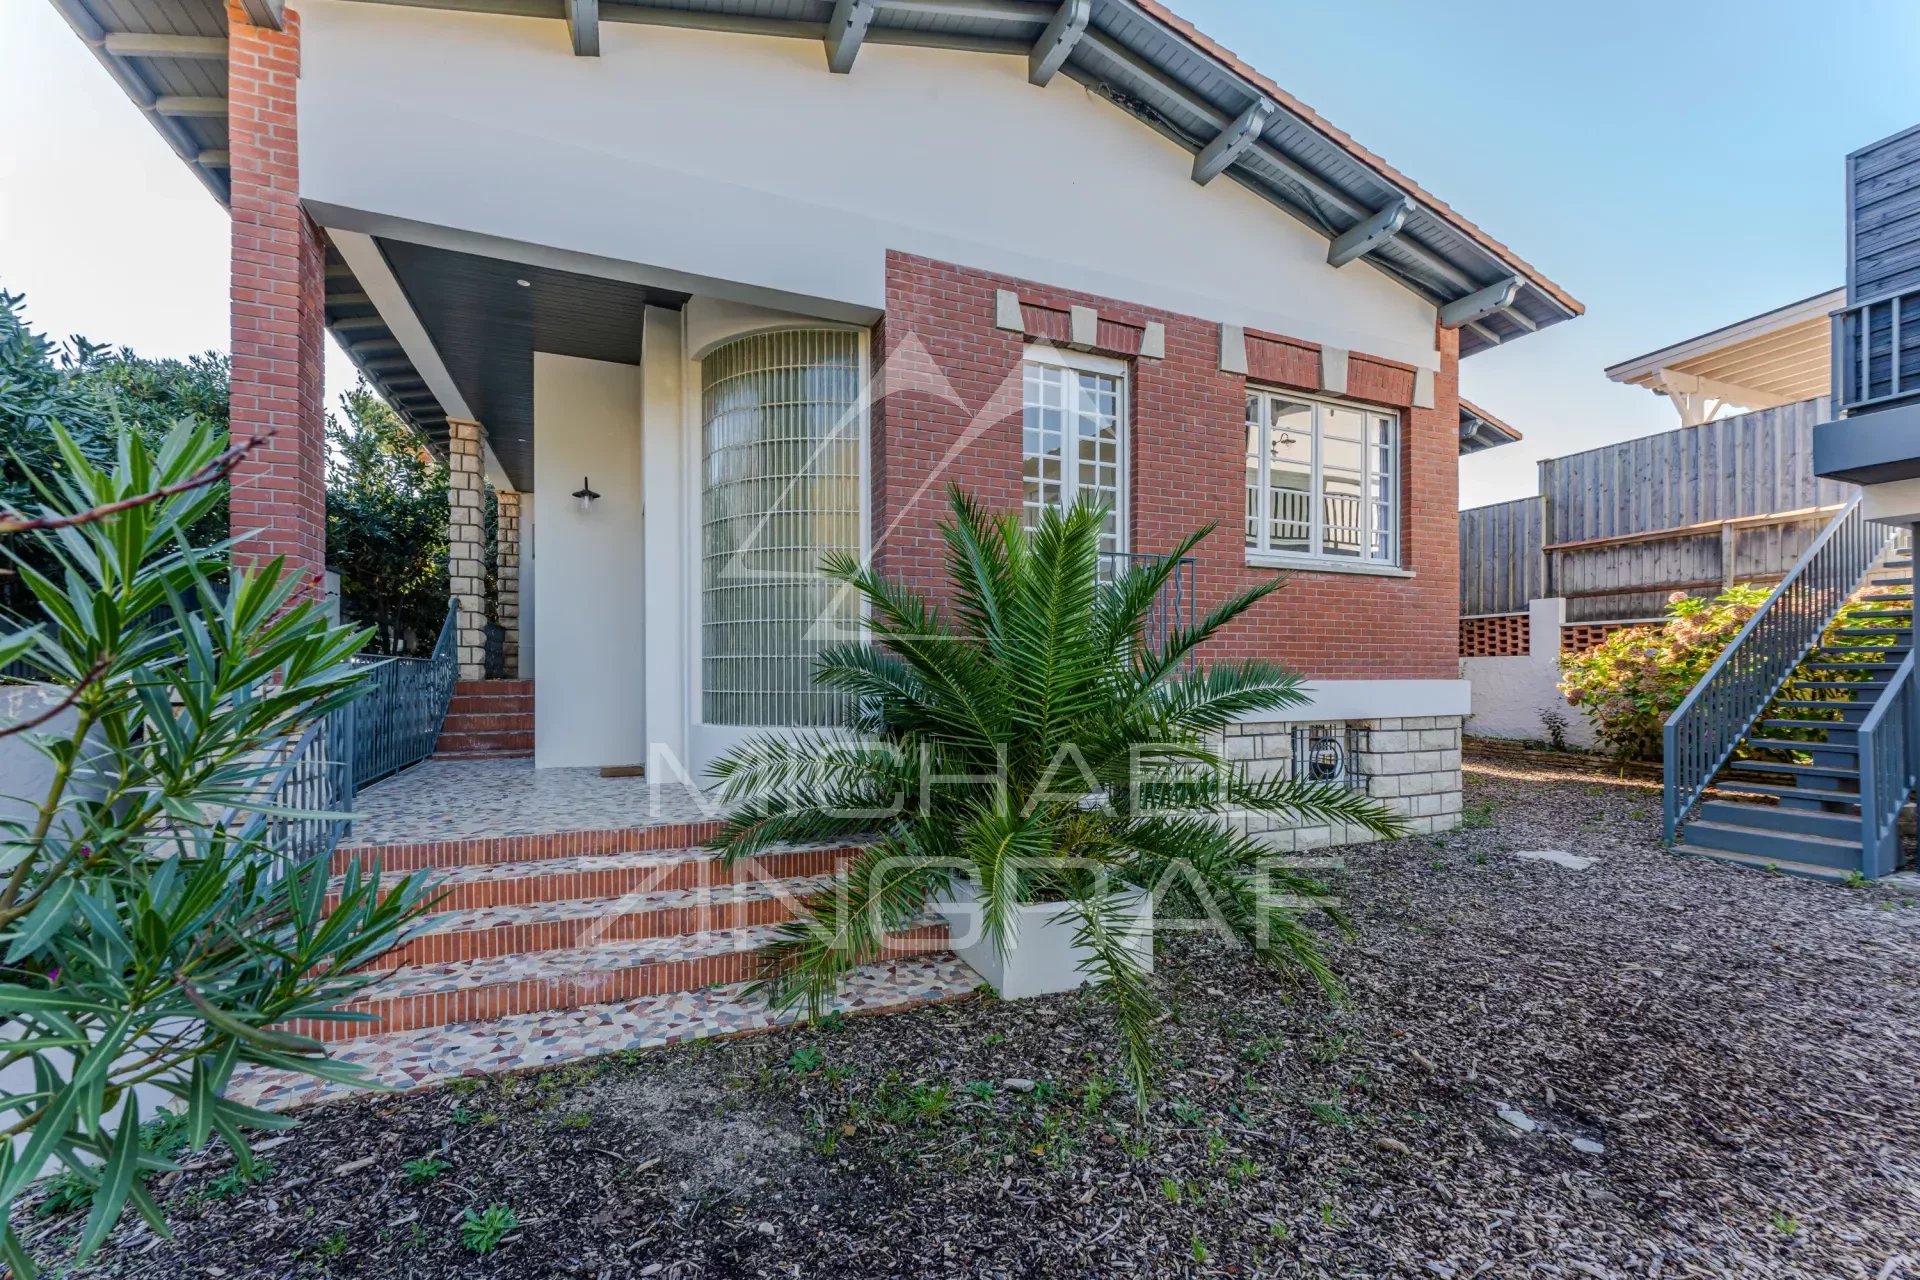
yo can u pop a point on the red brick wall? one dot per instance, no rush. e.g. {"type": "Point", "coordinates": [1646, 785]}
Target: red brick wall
{"type": "Point", "coordinates": [948, 409]}
{"type": "Point", "coordinates": [277, 296]}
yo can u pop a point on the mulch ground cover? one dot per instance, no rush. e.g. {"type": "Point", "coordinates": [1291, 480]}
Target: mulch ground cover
{"type": "Point", "coordinates": [1652, 1066]}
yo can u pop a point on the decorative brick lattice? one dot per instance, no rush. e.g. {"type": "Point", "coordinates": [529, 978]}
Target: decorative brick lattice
{"type": "Point", "coordinates": [506, 575]}
{"type": "Point", "coordinates": [466, 543]}
{"type": "Point", "coordinates": [1507, 636]}
{"type": "Point", "coordinates": [1581, 636]}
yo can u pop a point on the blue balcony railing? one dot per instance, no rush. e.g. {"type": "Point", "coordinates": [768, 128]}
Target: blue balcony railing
{"type": "Point", "coordinates": [1876, 351]}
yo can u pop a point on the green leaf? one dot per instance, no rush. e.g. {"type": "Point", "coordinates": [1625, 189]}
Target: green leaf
{"type": "Point", "coordinates": [116, 1178]}
{"type": "Point", "coordinates": [41, 923]}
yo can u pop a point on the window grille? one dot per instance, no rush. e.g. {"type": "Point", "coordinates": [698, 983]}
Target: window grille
{"type": "Point", "coordinates": [781, 489]}
{"type": "Point", "coordinates": [1329, 753]}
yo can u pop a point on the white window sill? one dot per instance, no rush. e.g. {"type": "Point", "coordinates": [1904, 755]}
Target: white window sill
{"type": "Point", "coordinates": [1319, 564]}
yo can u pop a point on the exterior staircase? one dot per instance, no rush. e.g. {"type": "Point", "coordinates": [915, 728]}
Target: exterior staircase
{"type": "Point", "coordinates": [487, 719]}
{"type": "Point", "coordinates": [1791, 797]}
{"type": "Point", "coordinates": [559, 947]}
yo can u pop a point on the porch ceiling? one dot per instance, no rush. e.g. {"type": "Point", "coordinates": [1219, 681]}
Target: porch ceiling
{"type": "Point", "coordinates": [486, 317]}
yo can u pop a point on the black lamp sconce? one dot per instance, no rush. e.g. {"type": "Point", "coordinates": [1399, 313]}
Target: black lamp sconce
{"type": "Point", "coordinates": [586, 494]}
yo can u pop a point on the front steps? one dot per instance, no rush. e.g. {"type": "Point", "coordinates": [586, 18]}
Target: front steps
{"type": "Point", "coordinates": [551, 926]}
{"type": "Point", "coordinates": [1792, 804]}
{"type": "Point", "coordinates": [488, 719]}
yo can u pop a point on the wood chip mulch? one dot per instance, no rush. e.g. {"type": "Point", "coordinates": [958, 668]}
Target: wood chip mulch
{"type": "Point", "coordinates": [1654, 1066]}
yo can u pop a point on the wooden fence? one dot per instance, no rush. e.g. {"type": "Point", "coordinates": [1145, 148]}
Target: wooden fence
{"type": "Point", "coordinates": [1615, 530]}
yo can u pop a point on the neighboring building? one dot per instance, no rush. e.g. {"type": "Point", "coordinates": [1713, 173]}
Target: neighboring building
{"type": "Point", "coordinates": [1779, 357]}
{"type": "Point", "coordinates": [711, 288]}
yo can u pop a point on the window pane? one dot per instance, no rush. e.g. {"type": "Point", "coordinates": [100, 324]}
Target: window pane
{"type": "Point", "coordinates": [1253, 470]}
{"type": "Point", "coordinates": [1290, 476]}
{"type": "Point", "coordinates": [1043, 416]}
{"type": "Point", "coordinates": [1342, 442]}
{"type": "Point", "coordinates": [1341, 513]}
{"type": "Point", "coordinates": [1380, 487]}
{"type": "Point", "coordinates": [1098, 450]}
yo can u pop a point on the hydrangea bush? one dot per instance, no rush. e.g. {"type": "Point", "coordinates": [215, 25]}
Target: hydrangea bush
{"type": "Point", "coordinates": [1632, 681]}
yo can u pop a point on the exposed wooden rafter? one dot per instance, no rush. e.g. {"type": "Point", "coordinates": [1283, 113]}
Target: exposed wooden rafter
{"type": "Point", "coordinates": [1063, 32]}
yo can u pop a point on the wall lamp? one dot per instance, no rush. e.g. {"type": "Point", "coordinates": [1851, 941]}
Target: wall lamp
{"type": "Point", "coordinates": [586, 494]}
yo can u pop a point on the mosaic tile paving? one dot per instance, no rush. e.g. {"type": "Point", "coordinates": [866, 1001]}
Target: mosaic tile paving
{"type": "Point", "coordinates": [627, 904]}
{"type": "Point", "coordinates": [461, 799]}
{"type": "Point", "coordinates": [412, 1059]}
{"type": "Point", "coordinates": [462, 974]}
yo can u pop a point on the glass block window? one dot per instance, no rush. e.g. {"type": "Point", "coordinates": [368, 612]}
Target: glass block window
{"type": "Point", "coordinates": [1074, 443]}
{"type": "Point", "coordinates": [1322, 479]}
{"type": "Point", "coordinates": [781, 477]}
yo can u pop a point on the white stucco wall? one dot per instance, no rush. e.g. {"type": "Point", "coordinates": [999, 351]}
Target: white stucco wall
{"type": "Point", "coordinates": [741, 159]}
{"type": "Point", "coordinates": [588, 593]}
{"type": "Point", "coordinates": [1510, 693]}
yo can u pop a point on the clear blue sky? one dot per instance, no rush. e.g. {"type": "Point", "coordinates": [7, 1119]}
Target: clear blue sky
{"type": "Point", "coordinates": [1675, 164]}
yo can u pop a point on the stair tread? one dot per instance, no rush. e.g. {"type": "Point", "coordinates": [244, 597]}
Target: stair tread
{"type": "Point", "coordinates": [475, 872]}
{"type": "Point", "coordinates": [1836, 843]}
{"type": "Point", "coordinates": [412, 1059]}
{"type": "Point", "coordinates": [1810, 869]}
{"type": "Point", "coordinates": [1828, 725]}
{"type": "Point", "coordinates": [1813, 704]}
{"type": "Point", "coordinates": [1782, 791]}
{"type": "Point", "coordinates": [1837, 684]}
{"type": "Point", "coordinates": [1809, 770]}
{"type": "Point", "coordinates": [478, 919]}
{"type": "Point", "coordinates": [580, 962]}
{"type": "Point", "coordinates": [1789, 744]}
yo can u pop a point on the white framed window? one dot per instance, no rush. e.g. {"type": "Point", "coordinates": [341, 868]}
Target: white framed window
{"type": "Point", "coordinates": [1323, 482]}
{"type": "Point", "coordinates": [1074, 437]}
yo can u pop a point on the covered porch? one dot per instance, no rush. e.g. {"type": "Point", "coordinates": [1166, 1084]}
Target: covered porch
{"type": "Point", "coordinates": [670, 466]}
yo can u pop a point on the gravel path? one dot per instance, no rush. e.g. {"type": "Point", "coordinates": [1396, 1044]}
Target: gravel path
{"type": "Point", "coordinates": [1649, 1067]}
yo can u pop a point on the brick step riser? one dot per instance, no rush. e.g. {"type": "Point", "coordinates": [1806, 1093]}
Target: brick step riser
{"type": "Point", "coordinates": [536, 995]}
{"type": "Point", "coordinates": [494, 688]}
{"type": "Point", "coordinates": [476, 742]}
{"type": "Point", "coordinates": [568, 935]}
{"type": "Point", "coordinates": [487, 722]}
{"type": "Point", "coordinates": [529, 848]}
{"type": "Point", "coordinates": [618, 882]}
{"type": "Point", "coordinates": [490, 707]}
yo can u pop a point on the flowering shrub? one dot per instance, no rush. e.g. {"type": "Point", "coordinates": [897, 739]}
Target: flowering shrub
{"type": "Point", "coordinates": [1633, 680]}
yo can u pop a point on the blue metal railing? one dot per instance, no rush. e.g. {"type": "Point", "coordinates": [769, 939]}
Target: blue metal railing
{"type": "Point", "coordinates": [1889, 741]}
{"type": "Point", "coordinates": [1876, 350]}
{"type": "Point", "coordinates": [396, 722]}
{"type": "Point", "coordinates": [1702, 733]}
{"type": "Point", "coordinates": [309, 795]}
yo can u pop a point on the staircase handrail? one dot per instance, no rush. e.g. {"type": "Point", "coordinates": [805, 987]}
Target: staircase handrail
{"type": "Point", "coordinates": [1704, 730]}
{"type": "Point", "coordinates": [1889, 741]}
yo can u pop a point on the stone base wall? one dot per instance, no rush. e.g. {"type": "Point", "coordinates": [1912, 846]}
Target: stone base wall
{"type": "Point", "coordinates": [1412, 764]}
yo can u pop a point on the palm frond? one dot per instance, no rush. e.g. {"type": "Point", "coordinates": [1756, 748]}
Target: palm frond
{"type": "Point", "coordinates": [1108, 933]}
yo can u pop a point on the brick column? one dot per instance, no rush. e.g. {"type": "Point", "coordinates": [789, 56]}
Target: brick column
{"type": "Point", "coordinates": [466, 544]}
{"type": "Point", "coordinates": [277, 294]}
{"type": "Point", "coordinates": [506, 576]}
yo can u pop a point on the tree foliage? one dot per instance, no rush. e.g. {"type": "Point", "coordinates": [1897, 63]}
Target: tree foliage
{"type": "Point", "coordinates": [386, 524]}
{"type": "Point", "coordinates": [151, 938]}
{"type": "Point", "coordinates": [1633, 680]}
{"type": "Point", "coordinates": [1031, 740]}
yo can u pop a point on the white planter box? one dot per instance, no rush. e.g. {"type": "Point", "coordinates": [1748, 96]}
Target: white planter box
{"type": "Point", "coordinates": [1041, 956]}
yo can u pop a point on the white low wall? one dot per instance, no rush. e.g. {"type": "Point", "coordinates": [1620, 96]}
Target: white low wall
{"type": "Point", "coordinates": [1510, 693]}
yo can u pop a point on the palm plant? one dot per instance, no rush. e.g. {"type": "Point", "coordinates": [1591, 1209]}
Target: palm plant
{"type": "Point", "coordinates": [1031, 738]}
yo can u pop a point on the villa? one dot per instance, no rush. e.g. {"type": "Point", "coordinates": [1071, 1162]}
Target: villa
{"type": "Point", "coordinates": [708, 289]}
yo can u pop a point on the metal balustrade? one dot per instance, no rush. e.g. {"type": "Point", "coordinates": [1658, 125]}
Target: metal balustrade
{"type": "Point", "coordinates": [1177, 606]}
{"type": "Point", "coordinates": [1701, 735]}
{"type": "Point", "coordinates": [309, 796]}
{"type": "Point", "coordinates": [396, 722]}
{"type": "Point", "coordinates": [1876, 350]}
{"type": "Point", "coordinates": [1889, 740]}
